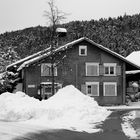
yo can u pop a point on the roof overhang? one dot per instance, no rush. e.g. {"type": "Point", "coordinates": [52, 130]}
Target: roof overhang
{"type": "Point", "coordinates": [132, 72]}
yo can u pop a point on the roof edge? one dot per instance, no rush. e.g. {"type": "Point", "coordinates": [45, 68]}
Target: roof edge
{"type": "Point", "coordinates": [30, 61]}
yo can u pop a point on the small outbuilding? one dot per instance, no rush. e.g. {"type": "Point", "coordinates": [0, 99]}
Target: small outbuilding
{"type": "Point", "coordinates": [133, 77]}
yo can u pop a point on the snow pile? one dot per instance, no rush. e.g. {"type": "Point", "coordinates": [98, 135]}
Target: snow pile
{"type": "Point", "coordinates": [67, 109]}
{"type": "Point", "coordinates": [17, 107]}
{"type": "Point", "coordinates": [127, 125]}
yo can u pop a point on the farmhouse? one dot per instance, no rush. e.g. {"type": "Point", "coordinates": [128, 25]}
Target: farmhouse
{"type": "Point", "coordinates": [90, 67]}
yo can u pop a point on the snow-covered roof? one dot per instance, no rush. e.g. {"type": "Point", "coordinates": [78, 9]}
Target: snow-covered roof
{"type": "Point", "coordinates": [27, 58]}
{"type": "Point", "coordinates": [68, 45]}
{"type": "Point", "coordinates": [61, 30]}
{"type": "Point", "coordinates": [26, 63]}
{"type": "Point", "coordinates": [134, 57]}
{"type": "Point", "coordinates": [133, 72]}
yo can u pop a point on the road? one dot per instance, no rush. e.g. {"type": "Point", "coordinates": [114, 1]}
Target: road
{"type": "Point", "coordinates": [13, 130]}
{"type": "Point", "coordinates": [111, 130]}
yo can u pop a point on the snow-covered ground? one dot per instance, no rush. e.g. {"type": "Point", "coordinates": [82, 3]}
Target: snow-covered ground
{"type": "Point", "coordinates": [128, 119]}
{"type": "Point", "coordinates": [129, 106]}
{"type": "Point", "coordinates": [12, 130]}
{"type": "Point", "coordinates": [67, 109]}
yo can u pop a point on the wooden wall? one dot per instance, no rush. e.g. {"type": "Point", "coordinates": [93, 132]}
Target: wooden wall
{"type": "Point", "coordinates": [71, 70]}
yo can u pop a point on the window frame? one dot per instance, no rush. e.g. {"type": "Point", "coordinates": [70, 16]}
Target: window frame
{"type": "Point", "coordinates": [92, 83]}
{"type": "Point", "coordinates": [92, 64]}
{"type": "Point", "coordinates": [110, 83]}
{"type": "Point", "coordinates": [82, 47]}
{"type": "Point", "coordinates": [109, 65]}
{"type": "Point", "coordinates": [49, 65]}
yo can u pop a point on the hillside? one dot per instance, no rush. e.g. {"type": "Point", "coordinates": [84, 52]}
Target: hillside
{"type": "Point", "coordinates": [121, 34]}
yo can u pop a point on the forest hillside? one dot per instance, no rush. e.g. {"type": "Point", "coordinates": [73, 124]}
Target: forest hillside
{"type": "Point", "coordinates": [121, 34]}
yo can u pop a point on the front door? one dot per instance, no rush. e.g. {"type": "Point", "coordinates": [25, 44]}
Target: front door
{"type": "Point", "coordinates": [46, 90]}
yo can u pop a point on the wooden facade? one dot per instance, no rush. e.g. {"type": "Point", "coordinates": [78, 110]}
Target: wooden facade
{"type": "Point", "coordinates": [90, 67]}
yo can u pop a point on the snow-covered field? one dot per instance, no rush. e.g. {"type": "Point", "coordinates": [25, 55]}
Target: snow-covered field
{"type": "Point", "coordinates": [67, 109]}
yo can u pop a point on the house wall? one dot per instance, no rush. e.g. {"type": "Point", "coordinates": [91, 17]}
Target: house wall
{"type": "Point", "coordinates": [71, 70]}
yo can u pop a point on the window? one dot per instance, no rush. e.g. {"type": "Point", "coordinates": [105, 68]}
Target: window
{"type": "Point", "coordinates": [110, 69]}
{"type": "Point", "coordinates": [110, 89]}
{"type": "Point", "coordinates": [92, 69]}
{"type": "Point", "coordinates": [92, 88]}
{"type": "Point", "coordinates": [82, 50]}
{"type": "Point", "coordinates": [46, 89]}
{"type": "Point", "coordinates": [46, 69]}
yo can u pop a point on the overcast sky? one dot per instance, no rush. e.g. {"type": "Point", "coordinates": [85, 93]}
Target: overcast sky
{"type": "Point", "coordinates": [20, 14]}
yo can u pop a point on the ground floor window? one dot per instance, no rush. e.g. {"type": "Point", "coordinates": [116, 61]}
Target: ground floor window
{"type": "Point", "coordinates": [110, 69]}
{"type": "Point", "coordinates": [92, 69]}
{"type": "Point", "coordinates": [110, 88]}
{"type": "Point", "coordinates": [92, 88]}
{"type": "Point", "coordinates": [46, 89]}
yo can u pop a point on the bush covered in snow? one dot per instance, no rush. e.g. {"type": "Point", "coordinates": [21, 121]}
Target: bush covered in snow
{"type": "Point", "coordinates": [8, 81]}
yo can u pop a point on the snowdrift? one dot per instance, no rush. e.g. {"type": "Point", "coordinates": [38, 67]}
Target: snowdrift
{"type": "Point", "coordinates": [67, 109]}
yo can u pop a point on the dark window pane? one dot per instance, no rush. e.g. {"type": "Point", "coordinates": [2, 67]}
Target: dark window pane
{"type": "Point", "coordinates": [111, 70]}
{"type": "Point", "coordinates": [83, 51]}
{"type": "Point", "coordinates": [89, 89]}
{"type": "Point", "coordinates": [106, 70]}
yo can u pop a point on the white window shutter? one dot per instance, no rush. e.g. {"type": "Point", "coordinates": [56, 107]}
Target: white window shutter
{"type": "Point", "coordinates": [83, 89]}
{"type": "Point", "coordinates": [55, 71]}
{"type": "Point", "coordinates": [45, 70]}
{"type": "Point", "coordinates": [88, 71]}
{"type": "Point", "coordinates": [101, 70]}
{"type": "Point", "coordinates": [94, 90]}
{"type": "Point", "coordinates": [118, 70]}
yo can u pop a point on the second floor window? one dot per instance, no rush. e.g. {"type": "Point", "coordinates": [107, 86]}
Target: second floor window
{"type": "Point", "coordinates": [110, 69]}
{"type": "Point", "coordinates": [82, 50]}
{"type": "Point", "coordinates": [92, 69]}
{"type": "Point", "coordinates": [46, 70]}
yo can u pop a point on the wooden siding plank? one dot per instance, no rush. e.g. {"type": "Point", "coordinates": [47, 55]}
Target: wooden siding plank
{"type": "Point", "coordinates": [118, 70]}
{"type": "Point", "coordinates": [101, 70]}
{"type": "Point", "coordinates": [83, 89]}
{"type": "Point", "coordinates": [124, 82]}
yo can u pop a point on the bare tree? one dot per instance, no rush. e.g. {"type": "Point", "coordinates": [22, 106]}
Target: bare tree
{"type": "Point", "coordinates": [54, 17]}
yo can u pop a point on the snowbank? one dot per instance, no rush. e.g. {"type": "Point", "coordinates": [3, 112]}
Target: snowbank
{"type": "Point", "coordinates": [67, 109]}
{"type": "Point", "coordinates": [135, 104]}
{"type": "Point", "coordinates": [127, 125]}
